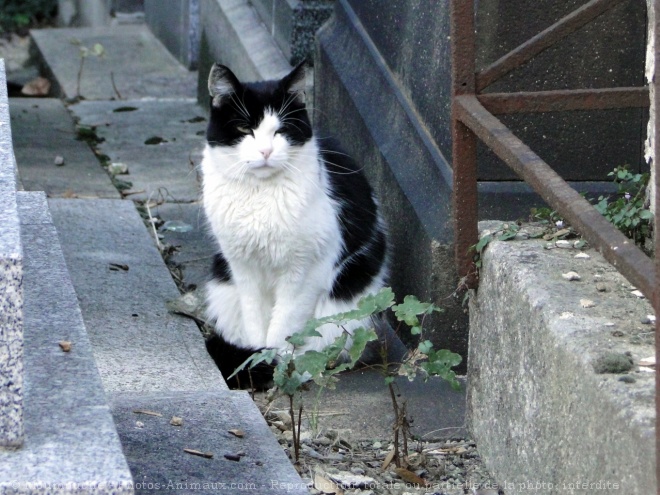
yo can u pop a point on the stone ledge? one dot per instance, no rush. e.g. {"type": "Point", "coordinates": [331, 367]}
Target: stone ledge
{"type": "Point", "coordinates": [11, 286]}
{"type": "Point", "coordinates": [536, 406]}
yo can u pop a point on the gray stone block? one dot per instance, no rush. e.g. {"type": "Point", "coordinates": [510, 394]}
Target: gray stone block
{"type": "Point", "coordinates": [138, 63]}
{"type": "Point", "coordinates": [233, 35]}
{"type": "Point", "coordinates": [123, 286]}
{"type": "Point", "coordinates": [537, 407]}
{"type": "Point", "coordinates": [11, 287]}
{"type": "Point", "coordinates": [293, 24]}
{"type": "Point", "coordinates": [177, 26]}
{"type": "Point", "coordinates": [166, 170]}
{"type": "Point", "coordinates": [158, 462]}
{"type": "Point", "coordinates": [81, 175]}
{"type": "Point", "coordinates": [71, 444]}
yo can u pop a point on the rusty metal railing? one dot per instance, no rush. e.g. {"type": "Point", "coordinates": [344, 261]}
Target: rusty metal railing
{"type": "Point", "coordinates": [473, 118]}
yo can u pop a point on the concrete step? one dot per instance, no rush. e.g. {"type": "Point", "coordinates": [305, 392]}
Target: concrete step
{"type": "Point", "coordinates": [163, 171]}
{"type": "Point", "coordinates": [152, 360]}
{"type": "Point", "coordinates": [155, 449]}
{"type": "Point", "coordinates": [135, 64]}
{"type": "Point", "coordinates": [543, 403]}
{"type": "Point", "coordinates": [42, 130]}
{"type": "Point", "coordinates": [71, 444]}
{"type": "Point", "coordinates": [123, 286]}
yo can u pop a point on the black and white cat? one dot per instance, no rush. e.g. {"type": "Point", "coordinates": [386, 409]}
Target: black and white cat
{"type": "Point", "coordinates": [297, 225]}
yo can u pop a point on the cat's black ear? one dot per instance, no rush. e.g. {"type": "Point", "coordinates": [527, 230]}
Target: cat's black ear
{"type": "Point", "coordinates": [222, 82]}
{"type": "Point", "coordinates": [296, 80]}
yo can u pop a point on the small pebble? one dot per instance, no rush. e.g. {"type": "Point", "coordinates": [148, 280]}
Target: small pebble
{"type": "Point", "coordinates": [584, 256]}
{"type": "Point", "coordinates": [139, 424]}
{"type": "Point", "coordinates": [645, 320]}
{"type": "Point", "coordinates": [118, 168]}
{"type": "Point", "coordinates": [627, 379]}
{"type": "Point", "coordinates": [587, 303]}
{"type": "Point", "coordinates": [563, 244]}
{"type": "Point", "coordinates": [571, 276]}
{"type": "Point", "coordinates": [59, 160]}
{"type": "Point", "coordinates": [601, 287]}
{"type": "Point", "coordinates": [176, 421]}
{"type": "Point", "coordinates": [637, 293]}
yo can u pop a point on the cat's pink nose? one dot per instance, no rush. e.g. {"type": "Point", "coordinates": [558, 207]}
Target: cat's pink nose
{"type": "Point", "coordinates": [266, 152]}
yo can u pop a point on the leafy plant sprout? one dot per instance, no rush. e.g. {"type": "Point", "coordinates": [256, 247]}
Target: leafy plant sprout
{"type": "Point", "coordinates": [96, 51]}
{"type": "Point", "coordinates": [294, 369]}
{"type": "Point", "coordinates": [627, 208]}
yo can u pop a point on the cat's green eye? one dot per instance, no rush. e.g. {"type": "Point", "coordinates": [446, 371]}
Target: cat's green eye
{"type": "Point", "coordinates": [244, 129]}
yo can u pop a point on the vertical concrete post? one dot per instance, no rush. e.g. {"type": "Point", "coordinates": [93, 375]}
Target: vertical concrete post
{"type": "Point", "coordinates": [649, 154]}
{"type": "Point", "coordinates": [83, 13]}
{"type": "Point", "coordinates": [11, 287]}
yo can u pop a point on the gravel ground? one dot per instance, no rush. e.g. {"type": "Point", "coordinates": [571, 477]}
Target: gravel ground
{"type": "Point", "coordinates": [332, 462]}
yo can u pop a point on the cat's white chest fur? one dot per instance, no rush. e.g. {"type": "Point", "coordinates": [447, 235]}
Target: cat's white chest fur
{"type": "Point", "coordinates": [284, 219]}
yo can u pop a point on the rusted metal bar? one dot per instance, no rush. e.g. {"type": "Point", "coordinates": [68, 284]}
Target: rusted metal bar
{"type": "Point", "coordinates": [545, 39]}
{"type": "Point", "coordinates": [562, 100]}
{"type": "Point", "coordinates": [464, 142]}
{"type": "Point", "coordinates": [613, 245]}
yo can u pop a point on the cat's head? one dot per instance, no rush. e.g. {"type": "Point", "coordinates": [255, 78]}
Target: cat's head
{"type": "Point", "coordinates": [259, 126]}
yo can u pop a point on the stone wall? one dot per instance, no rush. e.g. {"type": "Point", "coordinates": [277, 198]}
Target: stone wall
{"type": "Point", "coordinates": [383, 81]}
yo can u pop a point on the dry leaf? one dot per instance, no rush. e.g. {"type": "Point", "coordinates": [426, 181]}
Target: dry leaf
{"type": "Point", "coordinates": [176, 421]}
{"type": "Point", "coordinates": [637, 293]}
{"type": "Point", "coordinates": [410, 477]}
{"type": "Point", "coordinates": [206, 455]}
{"type": "Point", "coordinates": [388, 460]}
{"type": "Point", "coordinates": [148, 413]}
{"type": "Point", "coordinates": [326, 486]}
{"type": "Point", "coordinates": [115, 267]}
{"type": "Point", "coordinates": [237, 433]}
{"type": "Point", "coordinates": [649, 361]}
{"type": "Point", "coordinates": [39, 86]}
{"type": "Point", "coordinates": [65, 345]}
